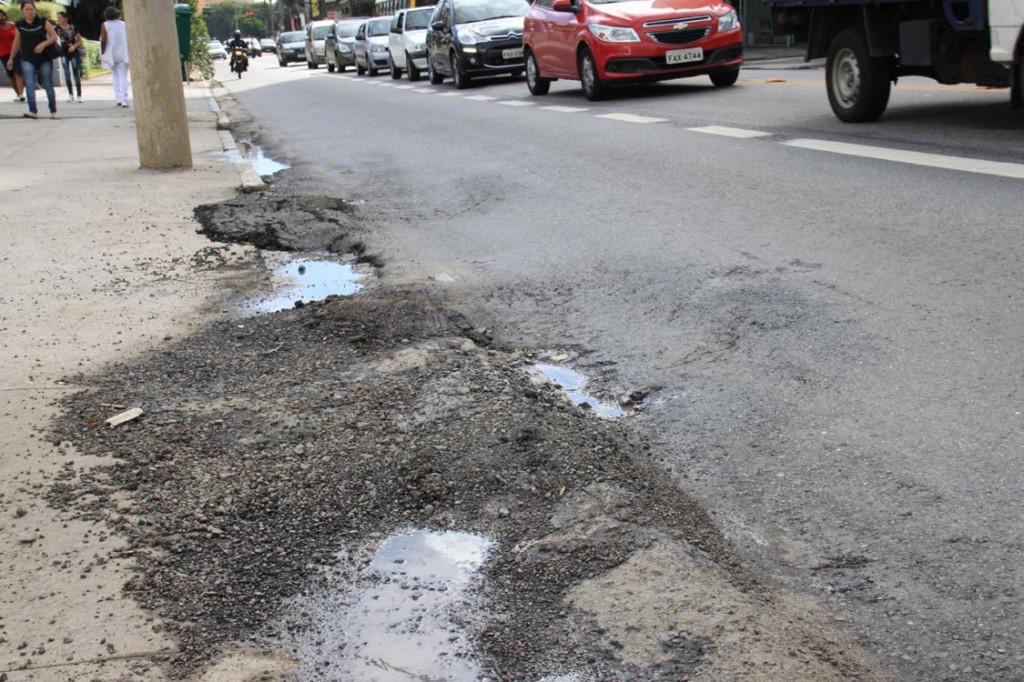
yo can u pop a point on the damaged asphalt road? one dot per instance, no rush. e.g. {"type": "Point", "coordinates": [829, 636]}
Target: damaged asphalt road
{"type": "Point", "coordinates": [278, 447]}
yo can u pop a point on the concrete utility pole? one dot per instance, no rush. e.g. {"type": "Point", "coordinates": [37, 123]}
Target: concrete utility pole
{"type": "Point", "coordinates": [161, 122]}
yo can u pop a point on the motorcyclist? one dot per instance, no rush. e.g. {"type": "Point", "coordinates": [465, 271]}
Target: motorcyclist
{"type": "Point", "coordinates": [238, 43]}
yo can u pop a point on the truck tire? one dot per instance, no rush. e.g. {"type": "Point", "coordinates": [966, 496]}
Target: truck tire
{"type": "Point", "coordinates": [858, 85]}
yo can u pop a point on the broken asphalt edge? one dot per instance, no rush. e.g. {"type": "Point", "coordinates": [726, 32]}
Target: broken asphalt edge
{"type": "Point", "coordinates": [249, 180]}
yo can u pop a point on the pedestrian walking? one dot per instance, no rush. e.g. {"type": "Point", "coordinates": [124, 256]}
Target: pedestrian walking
{"type": "Point", "coordinates": [35, 42]}
{"type": "Point", "coordinates": [72, 49]}
{"type": "Point", "coordinates": [7, 33]}
{"type": "Point", "coordinates": [114, 44]}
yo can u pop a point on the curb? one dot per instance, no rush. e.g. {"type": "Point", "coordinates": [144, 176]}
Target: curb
{"type": "Point", "coordinates": [249, 180]}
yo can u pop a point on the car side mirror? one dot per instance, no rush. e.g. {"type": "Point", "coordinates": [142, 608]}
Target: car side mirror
{"type": "Point", "coordinates": [396, 30]}
{"type": "Point", "coordinates": [564, 6]}
{"type": "Point", "coordinates": [437, 26]}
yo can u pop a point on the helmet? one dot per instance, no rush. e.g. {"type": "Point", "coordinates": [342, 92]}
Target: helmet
{"type": "Point", "coordinates": [238, 34]}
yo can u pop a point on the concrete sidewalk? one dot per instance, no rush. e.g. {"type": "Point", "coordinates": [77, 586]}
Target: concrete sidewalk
{"type": "Point", "coordinates": [99, 264]}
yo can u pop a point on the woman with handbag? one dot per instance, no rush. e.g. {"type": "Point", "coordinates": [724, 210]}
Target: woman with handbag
{"type": "Point", "coordinates": [71, 49]}
{"type": "Point", "coordinates": [36, 42]}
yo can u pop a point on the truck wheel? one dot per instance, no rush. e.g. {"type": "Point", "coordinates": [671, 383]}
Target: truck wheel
{"type": "Point", "coordinates": [858, 85]}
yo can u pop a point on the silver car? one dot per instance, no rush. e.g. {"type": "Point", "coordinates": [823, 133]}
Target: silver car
{"type": "Point", "coordinates": [371, 45]}
{"type": "Point", "coordinates": [316, 34]}
{"type": "Point", "coordinates": [338, 45]}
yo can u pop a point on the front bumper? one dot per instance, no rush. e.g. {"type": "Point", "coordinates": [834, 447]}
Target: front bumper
{"type": "Point", "coordinates": [292, 55]}
{"type": "Point", "coordinates": [640, 62]}
{"type": "Point", "coordinates": [377, 59]}
{"type": "Point", "coordinates": [485, 59]}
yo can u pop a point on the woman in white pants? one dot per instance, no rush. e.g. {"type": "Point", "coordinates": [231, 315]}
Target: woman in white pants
{"type": "Point", "coordinates": [114, 45]}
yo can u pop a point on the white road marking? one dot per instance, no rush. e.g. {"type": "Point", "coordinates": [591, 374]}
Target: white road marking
{"type": "Point", "coordinates": [387, 85]}
{"type": "Point", "coordinates": [481, 98]}
{"type": "Point", "coordinates": [404, 87]}
{"type": "Point", "coordinates": [449, 94]}
{"type": "Point", "coordinates": [565, 110]}
{"type": "Point", "coordinates": [730, 132]}
{"type": "Point", "coordinates": [516, 103]}
{"type": "Point", "coordinates": [957, 163]}
{"type": "Point", "coordinates": [425, 91]}
{"type": "Point", "coordinates": [632, 118]}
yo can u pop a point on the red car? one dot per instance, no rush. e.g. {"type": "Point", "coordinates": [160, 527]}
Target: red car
{"type": "Point", "coordinates": [605, 42]}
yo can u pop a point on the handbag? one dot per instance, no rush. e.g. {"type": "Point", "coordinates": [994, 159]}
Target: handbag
{"type": "Point", "coordinates": [52, 51]}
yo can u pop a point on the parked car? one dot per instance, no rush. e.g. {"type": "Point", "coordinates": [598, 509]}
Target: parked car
{"type": "Point", "coordinates": [371, 45]}
{"type": "Point", "coordinates": [316, 33]}
{"type": "Point", "coordinates": [291, 47]}
{"type": "Point", "coordinates": [407, 49]}
{"type": "Point", "coordinates": [472, 38]}
{"type": "Point", "coordinates": [268, 45]}
{"type": "Point", "coordinates": [338, 45]}
{"type": "Point", "coordinates": [217, 50]}
{"type": "Point", "coordinates": [605, 42]}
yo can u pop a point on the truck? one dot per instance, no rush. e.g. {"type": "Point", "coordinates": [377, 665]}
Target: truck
{"type": "Point", "coordinates": [869, 44]}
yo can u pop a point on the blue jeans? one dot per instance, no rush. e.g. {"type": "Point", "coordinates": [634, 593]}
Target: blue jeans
{"type": "Point", "coordinates": [72, 63]}
{"type": "Point", "coordinates": [44, 72]}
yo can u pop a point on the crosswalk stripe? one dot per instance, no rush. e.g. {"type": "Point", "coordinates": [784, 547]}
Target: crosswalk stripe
{"type": "Point", "coordinates": [565, 110]}
{"type": "Point", "coordinates": [632, 118]}
{"type": "Point", "coordinates": [730, 132]}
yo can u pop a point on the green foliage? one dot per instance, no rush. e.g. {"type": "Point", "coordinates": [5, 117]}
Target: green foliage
{"type": "Point", "coordinates": [91, 64]}
{"type": "Point", "coordinates": [225, 16]}
{"type": "Point", "coordinates": [48, 10]}
{"type": "Point", "coordinates": [363, 8]}
{"type": "Point", "coordinates": [200, 57]}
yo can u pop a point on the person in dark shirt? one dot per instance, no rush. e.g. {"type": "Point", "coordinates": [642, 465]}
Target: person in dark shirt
{"type": "Point", "coordinates": [33, 42]}
{"type": "Point", "coordinates": [71, 52]}
{"type": "Point", "coordinates": [238, 43]}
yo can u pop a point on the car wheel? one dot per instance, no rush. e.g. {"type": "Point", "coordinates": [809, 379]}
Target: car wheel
{"type": "Point", "coordinates": [432, 75]}
{"type": "Point", "coordinates": [372, 71]}
{"type": "Point", "coordinates": [459, 78]}
{"type": "Point", "coordinates": [594, 89]}
{"type": "Point", "coordinates": [282, 63]}
{"type": "Point", "coordinates": [857, 84]}
{"type": "Point", "coordinates": [395, 73]}
{"type": "Point", "coordinates": [330, 67]}
{"type": "Point", "coordinates": [359, 68]}
{"type": "Point", "coordinates": [410, 69]}
{"type": "Point", "coordinates": [724, 79]}
{"type": "Point", "coordinates": [537, 85]}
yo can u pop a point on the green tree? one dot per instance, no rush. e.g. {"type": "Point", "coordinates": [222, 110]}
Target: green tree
{"type": "Point", "coordinates": [201, 62]}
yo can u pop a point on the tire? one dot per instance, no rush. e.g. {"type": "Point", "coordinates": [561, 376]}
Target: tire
{"type": "Point", "coordinates": [310, 65]}
{"type": "Point", "coordinates": [330, 67]}
{"type": "Point", "coordinates": [395, 73]}
{"type": "Point", "coordinates": [594, 89]}
{"type": "Point", "coordinates": [359, 69]}
{"type": "Point", "coordinates": [723, 79]}
{"type": "Point", "coordinates": [459, 78]}
{"type": "Point", "coordinates": [411, 72]}
{"type": "Point", "coordinates": [282, 63]}
{"type": "Point", "coordinates": [432, 75]}
{"type": "Point", "coordinates": [858, 85]}
{"type": "Point", "coordinates": [538, 86]}
{"type": "Point", "coordinates": [341, 68]}
{"type": "Point", "coordinates": [372, 71]}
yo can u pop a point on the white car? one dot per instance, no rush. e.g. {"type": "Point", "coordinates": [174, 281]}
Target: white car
{"type": "Point", "coordinates": [216, 50]}
{"type": "Point", "coordinates": [407, 50]}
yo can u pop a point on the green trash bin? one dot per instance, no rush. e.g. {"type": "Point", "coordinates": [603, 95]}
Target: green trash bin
{"type": "Point", "coordinates": [183, 21]}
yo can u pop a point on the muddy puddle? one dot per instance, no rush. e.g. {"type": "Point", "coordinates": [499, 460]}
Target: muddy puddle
{"type": "Point", "coordinates": [297, 280]}
{"type": "Point", "coordinates": [573, 385]}
{"type": "Point", "coordinates": [406, 624]}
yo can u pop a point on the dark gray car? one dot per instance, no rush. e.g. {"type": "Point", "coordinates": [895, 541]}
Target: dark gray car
{"type": "Point", "coordinates": [338, 45]}
{"type": "Point", "coordinates": [291, 47]}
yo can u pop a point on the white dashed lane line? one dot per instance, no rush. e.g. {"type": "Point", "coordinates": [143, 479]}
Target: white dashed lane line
{"type": "Point", "coordinates": [516, 103]}
{"type": "Point", "coordinates": [426, 91]}
{"type": "Point", "coordinates": [632, 118]}
{"type": "Point", "coordinates": [730, 132]}
{"type": "Point", "coordinates": [481, 98]}
{"type": "Point", "coordinates": [404, 87]}
{"type": "Point", "coordinates": [565, 110]}
{"type": "Point", "coordinates": [449, 94]}
{"type": "Point", "coordinates": [957, 163]}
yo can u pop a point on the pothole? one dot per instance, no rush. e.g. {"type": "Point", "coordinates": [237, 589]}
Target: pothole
{"type": "Point", "coordinates": [298, 280]}
{"type": "Point", "coordinates": [405, 626]}
{"type": "Point", "coordinates": [572, 384]}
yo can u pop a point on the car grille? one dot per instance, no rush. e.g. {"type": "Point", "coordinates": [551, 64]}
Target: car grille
{"type": "Point", "coordinates": [688, 35]}
{"type": "Point", "coordinates": [703, 18]}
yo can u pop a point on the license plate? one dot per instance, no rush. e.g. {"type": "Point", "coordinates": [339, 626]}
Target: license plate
{"type": "Point", "coordinates": [694, 54]}
{"type": "Point", "coordinates": [516, 53]}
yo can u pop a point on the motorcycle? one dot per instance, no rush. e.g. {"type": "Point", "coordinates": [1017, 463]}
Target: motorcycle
{"type": "Point", "coordinates": [239, 61]}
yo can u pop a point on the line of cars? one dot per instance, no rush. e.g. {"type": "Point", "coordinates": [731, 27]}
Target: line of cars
{"type": "Point", "coordinates": [601, 43]}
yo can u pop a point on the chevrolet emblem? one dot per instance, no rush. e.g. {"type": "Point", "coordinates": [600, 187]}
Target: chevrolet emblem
{"type": "Point", "coordinates": [680, 26]}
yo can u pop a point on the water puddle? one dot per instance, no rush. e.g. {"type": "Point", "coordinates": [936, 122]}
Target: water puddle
{"type": "Point", "coordinates": [572, 384]}
{"type": "Point", "coordinates": [253, 154]}
{"type": "Point", "coordinates": [303, 280]}
{"type": "Point", "coordinates": [401, 628]}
